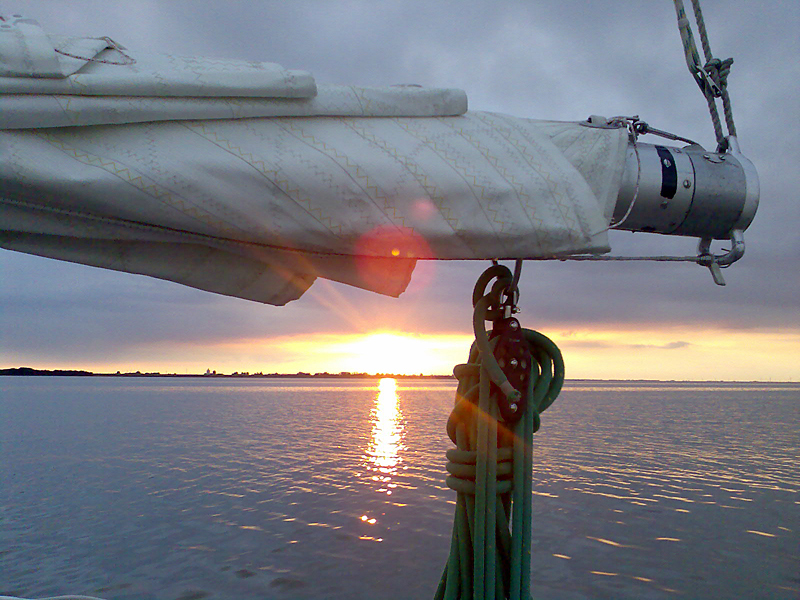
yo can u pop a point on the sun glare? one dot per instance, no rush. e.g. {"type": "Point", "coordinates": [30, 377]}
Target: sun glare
{"type": "Point", "coordinates": [383, 453]}
{"type": "Point", "coordinates": [378, 352]}
{"type": "Point", "coordinates": [401, 354]}
{"type": "Point", "coordinates": [387, 386]}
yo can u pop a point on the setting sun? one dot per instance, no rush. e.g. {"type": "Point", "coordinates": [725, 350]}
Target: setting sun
{"type": "Point", "coordinates": [387, 352]}
{"type": "Point", "coordinates": [376, 352]}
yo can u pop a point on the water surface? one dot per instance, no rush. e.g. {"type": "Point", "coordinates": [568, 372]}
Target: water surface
{"type": "Point", "coordinates": [230, 488]}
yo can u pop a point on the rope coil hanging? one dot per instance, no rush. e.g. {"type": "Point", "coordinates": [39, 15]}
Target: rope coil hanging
{"type": "Point", "coordinates": [511, 377]}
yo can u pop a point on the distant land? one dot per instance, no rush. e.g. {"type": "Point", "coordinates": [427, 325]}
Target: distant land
{"type": "Point", "coordinates": [31, 372]}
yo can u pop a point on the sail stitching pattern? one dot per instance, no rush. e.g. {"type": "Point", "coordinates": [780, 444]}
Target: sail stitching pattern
{"type": "Point", "coordinates": [564, 206]}
{"type": "Point", "coordinates": [136, 180]}
{"type": "Point", "coordinates": [356, 173]}
{"type": "Point", "coordinates": [521, 194]}
{"type": "Point", "coordinates": [564, 209]}
{"type": "Point", "coordinates": [271, 172]}
{"type": "Point", "coordinates": [454, 161]}
{"type": "Point", "coordinates": [422, 178]}
{"type": "Point", "coordinates": [388, 203]}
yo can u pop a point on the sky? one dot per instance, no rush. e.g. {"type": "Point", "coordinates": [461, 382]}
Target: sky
{"type": "Point", "coordinates": [551, 60]}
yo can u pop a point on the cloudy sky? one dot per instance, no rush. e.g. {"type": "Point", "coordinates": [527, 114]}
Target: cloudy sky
{"type": "Point", "coordinates": [559, 60]}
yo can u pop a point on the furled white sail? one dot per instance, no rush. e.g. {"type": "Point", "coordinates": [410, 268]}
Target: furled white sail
{"type": "Point", "coordinates": [250, 180]}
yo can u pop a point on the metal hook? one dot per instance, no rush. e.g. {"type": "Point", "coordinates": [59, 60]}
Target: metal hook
{"type": "Point", "coordinates": [716, 262]}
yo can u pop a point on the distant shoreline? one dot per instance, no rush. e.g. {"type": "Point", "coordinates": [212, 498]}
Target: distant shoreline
{"type": "Point", "coordinates": [31, 372]}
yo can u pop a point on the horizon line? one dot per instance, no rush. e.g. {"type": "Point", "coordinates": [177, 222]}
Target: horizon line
{"type": "Point", "coordinates": [30, 371]}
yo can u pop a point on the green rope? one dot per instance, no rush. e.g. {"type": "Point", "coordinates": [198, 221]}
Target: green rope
{"type": "Point", "coordinates": [491, 466]}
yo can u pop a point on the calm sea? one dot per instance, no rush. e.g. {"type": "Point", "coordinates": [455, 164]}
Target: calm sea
{"type": "Point", "coordinates": [334, 489]}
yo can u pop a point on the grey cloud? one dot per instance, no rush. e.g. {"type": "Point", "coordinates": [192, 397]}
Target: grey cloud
{"type": "Point", "coordinates": [600, 344]}
{"type": "Point", "coordinates": [668, 346]}
{"type": "Point", "coordinates": [539, 59]}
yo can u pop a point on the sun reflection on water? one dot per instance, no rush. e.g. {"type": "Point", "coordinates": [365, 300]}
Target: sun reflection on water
{"type": "Point", "coordinates": [386, 443]}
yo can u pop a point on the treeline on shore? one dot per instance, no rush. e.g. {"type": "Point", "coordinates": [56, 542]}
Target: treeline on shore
{"type": "Point", "coordinates": [29, 371]}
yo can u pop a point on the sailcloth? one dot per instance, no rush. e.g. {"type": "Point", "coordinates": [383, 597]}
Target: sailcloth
{"type": "Point", "coordinates": [251, 180]}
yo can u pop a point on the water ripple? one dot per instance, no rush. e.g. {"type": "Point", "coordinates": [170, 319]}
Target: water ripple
{"type": "Point", "coordinates": [163, 488]}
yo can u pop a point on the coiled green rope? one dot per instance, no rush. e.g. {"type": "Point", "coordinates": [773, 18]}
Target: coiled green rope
{"type": "Point", "coordinates": [492, 426]}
